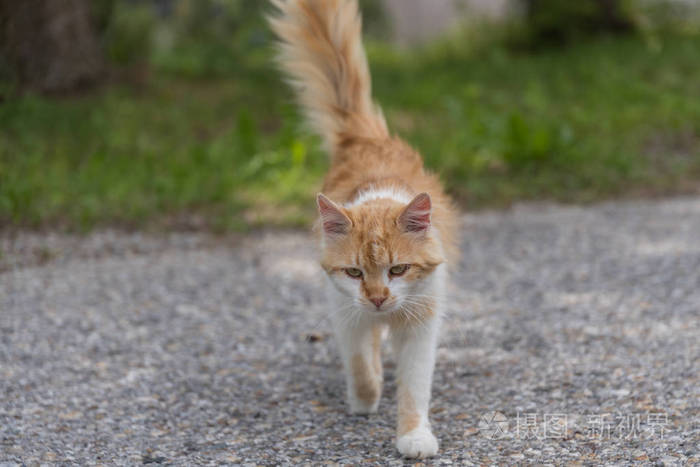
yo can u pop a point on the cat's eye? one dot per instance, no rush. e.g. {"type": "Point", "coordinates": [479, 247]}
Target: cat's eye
{"type": "Point", "coordinates": [398, 270]}
{"type": "Point", "coordinates": [353, 272]}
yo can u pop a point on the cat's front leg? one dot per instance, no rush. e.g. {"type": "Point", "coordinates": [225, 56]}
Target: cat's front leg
{"type": "Point", "coordinates": [415, 350]}
{"type": "Point", "coordinates": [359, 345]}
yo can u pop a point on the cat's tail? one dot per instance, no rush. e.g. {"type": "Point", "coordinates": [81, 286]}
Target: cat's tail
{"type": "Point", "coordinates": [321, 51]}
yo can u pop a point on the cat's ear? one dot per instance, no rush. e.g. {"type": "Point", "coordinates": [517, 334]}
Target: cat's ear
{"type": "Point", "coordinates": [334, 220]}
{"type": "Point", "coordinates": [415, 217]}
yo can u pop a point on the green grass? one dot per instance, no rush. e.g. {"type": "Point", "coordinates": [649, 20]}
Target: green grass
{"type": "Point", "coordinates": [578, 124]}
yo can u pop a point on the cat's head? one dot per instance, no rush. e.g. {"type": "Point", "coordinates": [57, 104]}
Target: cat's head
{"type": "Point", "coordinates": [381, 254]}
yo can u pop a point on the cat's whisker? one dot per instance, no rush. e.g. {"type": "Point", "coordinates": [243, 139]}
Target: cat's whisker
{"type": "Point", "coordinates": [325, 317]}
{"type": "Point", "coordinates": [418, 303]}
{"type": "Point", "coordinates": [420, 300]}
{"type": "Point", "coordinates": [436, 298]}
{"type": "Point", "coordinates": [346, 313]}
{"type": "Point", "coordinates": [318, 323]}
{"type": "Point", "coordinates": [417, 316]}
{"type": "Point", "coordinates": [350, 318]}
{"type": "Point", "coordinates": [356, 315]}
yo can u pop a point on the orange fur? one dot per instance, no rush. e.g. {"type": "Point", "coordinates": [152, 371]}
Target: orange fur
{"type": "Point", "coordinates": [361, 163]}
{"type": "Point", "coordinates": [366, 382]}
{"type": "Point", "coordinates": [408, 418]}
{"type": "Point", "coordinates": [374, 242]}
{"type": "Point", "coordinates": [377, 350]}
{"type": "Point", "coordinates": [322, 51]}
{"type": "Point", "coordinates": [381, 210]}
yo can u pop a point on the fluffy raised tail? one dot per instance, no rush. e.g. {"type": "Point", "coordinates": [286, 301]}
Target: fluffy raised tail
{"type": "Point", "coordinates": [321, 50]}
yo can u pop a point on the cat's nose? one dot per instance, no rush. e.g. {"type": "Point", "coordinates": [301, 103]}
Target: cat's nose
{"type": "Point", "coordinates": [378, 301]}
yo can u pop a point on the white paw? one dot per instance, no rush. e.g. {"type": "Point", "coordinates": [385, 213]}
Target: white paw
{"type": "Point", "coordinates": [359, 407]}
{"type": "Point", "coordinates": [417, 443]}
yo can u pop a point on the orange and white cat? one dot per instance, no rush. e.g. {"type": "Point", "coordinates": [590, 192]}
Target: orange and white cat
{"type": "Point", "coordinates": [386, 228]}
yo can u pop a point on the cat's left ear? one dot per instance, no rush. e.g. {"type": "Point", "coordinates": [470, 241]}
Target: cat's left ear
{"type": "Point", "coordinates": [415, 217]}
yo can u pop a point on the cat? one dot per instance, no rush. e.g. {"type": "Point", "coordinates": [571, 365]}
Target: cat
{"type": "Point", "coordinates": [386, 227]}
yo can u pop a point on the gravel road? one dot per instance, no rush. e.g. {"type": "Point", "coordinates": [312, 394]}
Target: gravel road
{"type": "Point", "coordinates": [572, 337]}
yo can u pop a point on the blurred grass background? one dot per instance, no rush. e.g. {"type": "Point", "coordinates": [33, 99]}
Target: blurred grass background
{"type": "Point", "coordinates": [194, 127]}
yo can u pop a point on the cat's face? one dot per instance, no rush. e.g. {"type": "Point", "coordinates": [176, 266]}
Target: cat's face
{"type": "Point", "coordinates": [380, 255]}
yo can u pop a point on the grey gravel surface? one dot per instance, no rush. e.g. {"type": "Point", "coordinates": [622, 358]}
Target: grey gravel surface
{"type": "Point", "coordinates": [572, 337]}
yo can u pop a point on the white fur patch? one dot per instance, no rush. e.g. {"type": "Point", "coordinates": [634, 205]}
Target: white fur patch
{"type": "Point", "coordinates": [380, 193]}
{"type": "Point", "coordinates": [419, 443]}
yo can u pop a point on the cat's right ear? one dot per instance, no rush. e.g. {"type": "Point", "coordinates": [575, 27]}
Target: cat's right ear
{"type": "Point", "coordinates": [334, 220]}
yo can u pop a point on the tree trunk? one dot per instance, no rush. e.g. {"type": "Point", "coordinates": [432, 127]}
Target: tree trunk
{"type": "Point", "coordinates": [50, 44]}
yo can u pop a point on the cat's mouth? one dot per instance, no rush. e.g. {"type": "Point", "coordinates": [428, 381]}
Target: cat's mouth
{"type": "Point", "coordinates": [389, 306]}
